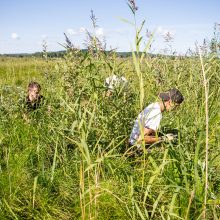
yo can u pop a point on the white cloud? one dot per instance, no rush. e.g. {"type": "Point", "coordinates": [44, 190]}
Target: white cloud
{"type": "Point", "coordinates": [70, 31]}
{"type": "Point", "coordinates": [99, 32]}
{"type": "Point", "coordinates": [163, 31]}
{"type": "Point", "coordinates": [15, 36]}
{"type": "Point", "coordinates": [159, 30]}
{"type": "Point", "coordinates": [82, 29]}
{"type": "Point", "coordinates": [44, 36]}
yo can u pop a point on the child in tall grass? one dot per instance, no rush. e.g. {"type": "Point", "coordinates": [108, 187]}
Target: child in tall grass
{"type": "Point", "coordinates": [115, 84]}
{"type": "Point", "coordinates": [148, 121]}
{"type": "Point", "coordinates": [34, 98]}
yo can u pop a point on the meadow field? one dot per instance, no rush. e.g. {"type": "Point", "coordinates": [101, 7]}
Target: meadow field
{"type": "Point", "coordinates": [70, 158]}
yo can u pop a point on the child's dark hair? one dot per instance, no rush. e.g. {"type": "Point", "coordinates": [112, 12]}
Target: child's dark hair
{"type": "Point", "coordinates": [173, 95]}
{"type": "Point", "coordinates": [34, 84]}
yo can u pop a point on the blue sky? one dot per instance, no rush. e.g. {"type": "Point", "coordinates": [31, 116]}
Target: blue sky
{"type": "Point", "coordinates": [26, 23]}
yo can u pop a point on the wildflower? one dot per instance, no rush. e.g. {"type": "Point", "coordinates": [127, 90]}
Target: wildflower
{"type": "Point", "coordinates": [132, 5]}
{"type": "Point", "coordinates": [69, 44]}
{"type": "Point", "coordinates": [168, 36]}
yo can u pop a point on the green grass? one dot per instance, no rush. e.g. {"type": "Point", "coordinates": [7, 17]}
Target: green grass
{"type": "Point", "coordinates": [70, 163]}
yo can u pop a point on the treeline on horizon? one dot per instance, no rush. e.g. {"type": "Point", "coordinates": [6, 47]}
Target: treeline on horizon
{"type": "Point", "coordinates": [60, 54]}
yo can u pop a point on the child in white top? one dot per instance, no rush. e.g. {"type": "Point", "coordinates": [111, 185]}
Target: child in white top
{"type": "Point", "coordinates": [148, 121]}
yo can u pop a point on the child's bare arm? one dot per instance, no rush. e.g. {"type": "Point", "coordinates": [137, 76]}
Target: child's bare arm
{"type": "Point", "coordinates": [149, 136]}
